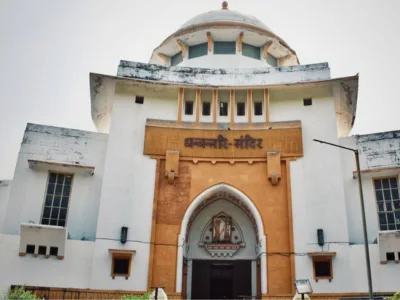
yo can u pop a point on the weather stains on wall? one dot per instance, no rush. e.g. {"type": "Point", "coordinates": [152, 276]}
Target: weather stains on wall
{"type": "Point", "coordinates": [380, 149]}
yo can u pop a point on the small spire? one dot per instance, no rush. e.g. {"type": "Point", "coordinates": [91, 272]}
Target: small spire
{"type": "Point", "coordinates": [225, 5]}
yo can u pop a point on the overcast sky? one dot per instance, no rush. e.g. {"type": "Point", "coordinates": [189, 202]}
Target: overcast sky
{"type": "Point", "coordinates": [48, 48]}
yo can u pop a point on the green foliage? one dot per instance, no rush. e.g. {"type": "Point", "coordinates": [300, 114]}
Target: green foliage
{"type": "Point", "coordinates": [19, 293]}
{"type": "Point", "coordinates": [136, 297]}
{"type": "Point", "coordinates": [395, 296]}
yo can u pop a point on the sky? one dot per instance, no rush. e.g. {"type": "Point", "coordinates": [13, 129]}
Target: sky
{"type": "Point", "coordinates": [49, 47]}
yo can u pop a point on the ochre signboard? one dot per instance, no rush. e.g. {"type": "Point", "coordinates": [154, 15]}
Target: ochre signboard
{"type": "Point", "coordinates": [214, 143]}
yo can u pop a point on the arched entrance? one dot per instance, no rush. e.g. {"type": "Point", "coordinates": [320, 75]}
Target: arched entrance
{"type": "Point", "coordinates": [222, 234]}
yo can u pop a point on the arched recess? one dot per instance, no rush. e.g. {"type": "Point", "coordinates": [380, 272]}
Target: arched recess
{"type": "Point", "coordinates": [232, 194]}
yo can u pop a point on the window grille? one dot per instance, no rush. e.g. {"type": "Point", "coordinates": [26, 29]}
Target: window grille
{"type": "Point", "coordinates": [251, 51]}
{"type": "Point", "coordinates": [258, 108]}
{"type": "Point", "coordinates": [198, 50]}
{"type": "Point", "coordinates": [176, 59]}
{"type": "Point", "coordinates": [224, 47]}
{"type": "Point", "coordinates": [188, 108]}
{"type": "Point", "coordinates": [57, 198]}
{"type": "Point", "coordinates": [388, 202]}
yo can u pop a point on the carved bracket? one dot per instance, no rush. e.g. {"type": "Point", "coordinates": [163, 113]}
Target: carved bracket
{"type": "Point", "coordinates": [210, 41]}
{"type": "Point", "coordinates": [182, 46]}
{"type": "Point", "coordinates": [266, 47]}
{"type": "Point", "coordinates": [274, 167]}
{"type": "Point", "coordinates": [171, 165]}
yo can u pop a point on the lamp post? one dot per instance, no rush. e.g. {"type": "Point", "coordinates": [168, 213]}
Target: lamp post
{"type": "Point", "coordinates": [355, 151]}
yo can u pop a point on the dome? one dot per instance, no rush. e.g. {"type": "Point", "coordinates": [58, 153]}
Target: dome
{"type": "Point", "coordinates": [225, 16]}
{"type": "Point", "coordinates": [215, 40]}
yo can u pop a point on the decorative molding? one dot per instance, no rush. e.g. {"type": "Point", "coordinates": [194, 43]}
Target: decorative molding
{"type": "Point", "coordinates": [222, 236]}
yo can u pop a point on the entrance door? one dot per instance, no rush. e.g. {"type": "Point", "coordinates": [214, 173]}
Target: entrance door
{"type": "Point", "coordinates": [221, 284]}
{"type": "Point", "coordinates": [213, 279]}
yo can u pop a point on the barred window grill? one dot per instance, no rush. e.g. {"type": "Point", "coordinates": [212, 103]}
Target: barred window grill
{"type": "Point", "coordinates": [176, 59]}
{"type": "Point", "coordinates": [198, 50]}
{"type": "Point", "coordinates": [224, 47]}
{"type": "Point", "coordinates": [57, 198]}
{"type": "Point", "coordinates": [388, 203]}
{"type": "Point", "coordinates": [251, 51]}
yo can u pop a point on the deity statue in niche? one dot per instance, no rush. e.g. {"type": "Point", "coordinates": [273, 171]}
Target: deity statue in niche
{"type": "Point", "coordinates": [221, 229]}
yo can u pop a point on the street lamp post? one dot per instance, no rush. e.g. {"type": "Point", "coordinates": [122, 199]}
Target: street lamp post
{"type": "Point", "coordinates": [355, 151]}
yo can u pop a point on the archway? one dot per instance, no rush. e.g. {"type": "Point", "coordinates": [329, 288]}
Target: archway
{"type": "Point", "coordinates": [234, 197]}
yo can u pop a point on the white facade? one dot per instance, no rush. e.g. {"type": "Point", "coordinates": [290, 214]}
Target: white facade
{"type": "Point", "coordinates": [113, 181]}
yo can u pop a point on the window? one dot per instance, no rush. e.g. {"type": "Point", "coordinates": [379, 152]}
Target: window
{"type": "Point", "coordinates": [322, 265]}
{"type": "Point", "coordinates": [223, 109]}
{"type": "Point", "coordinates": [139, 100]}
{"type": "Point", "coordinates": [390, 256]}
{"type": "Point", "coordinates": [206, 109]}
{"type": "Point", "coordinates": [54, 251]}
{"type": "Point", "coordinates": [42, 250]}
{"type": "Point", "coordinates": [121, 262]}
{"type": "Point", "coordinates": [30, 249]}
{"type": "Point", "coordinates": [272, 60]}
{"type": "Point", "coordinates": [307, 101]}
{"type": "Point", "coordinates": [388, 202]}
{"type": "Point", "coordinates": [258, 108]}
{"type": "Point", "coordinates": [176, 59]}
{"type": "Point", "coordinates": [198, 50]}
{"type": "Point", "coordinates": [57, 198]}
{"type": "Point", "coordinates": [241, 108]}
{"type": "Point", "coordinates": [189, 108]}
{"type": "Point", "coordinates": [322, 268]}
{"type": "Point", "coordinates": [251, 51]}
{"type": "Point", "coordinates": [224, 47]}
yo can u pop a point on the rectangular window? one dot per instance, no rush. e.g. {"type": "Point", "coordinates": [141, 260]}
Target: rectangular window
{"type": "Point", "coordinates": [307, 101]}
{"type": "Point", "coordinates": [388, 203]}
{"type": "Point", "coordinates": [176, 59]}
{"type": "Point", "coordinates": [390, 256]}
{"type": "Point", "coordinates": [322, 268]}
{"type": "Point", "coordinates": [223, 109]}
{"type": "Point", "coordinates": [42, 250]}
{"type": "Point", "coordinates": [224, 47]}
{"type": "Point", "coordinates": [206, 109]}
{"type": "Point", "coordinates": [198, 50]}
{"type": "Point", "coordinates": [258, 108]}
{"type": "Point", "coordinates": [139, 100]}
{"type": "Point", "coordinates": [30, 249]}
{"type": "Point", "coordinates": [251, 51]}
{"type": "Point", "coordinates": [57, 199]}
{"type": "Point", "coordinates": [241, 108]}
{"type": "Point", "coordinates": [188, 108]}
{"type": "Point", "coordinates": [54, 251]}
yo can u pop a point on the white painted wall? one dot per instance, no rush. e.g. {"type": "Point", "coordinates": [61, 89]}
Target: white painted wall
{"type": "Point", "coordinates": [5, 186]}
{"type": "Point", "coordinates": [349, 271]}
{"type": "Point", "coordinates": [28, 190]}
{"type": "Point", "coordinates": [128, 189]}
{"type": "Point", "coordinates": [377, 151]}
{"type": "Point", "coordinates": [73, 271]}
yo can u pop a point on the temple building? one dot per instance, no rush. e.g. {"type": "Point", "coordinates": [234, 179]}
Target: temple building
{"type": "Point", "coordinates": [204, 179]}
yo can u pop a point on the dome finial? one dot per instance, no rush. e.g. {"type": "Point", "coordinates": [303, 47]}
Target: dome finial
{"type": "Point", "coordinates": [225, 5]}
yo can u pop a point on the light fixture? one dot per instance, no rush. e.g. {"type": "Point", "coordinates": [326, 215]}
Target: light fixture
{"type": "Point", "coordinates": [303, 286]}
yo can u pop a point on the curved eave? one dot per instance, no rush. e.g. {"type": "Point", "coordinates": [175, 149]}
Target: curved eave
{"type": "Point", "coordinates": [224, 24]}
